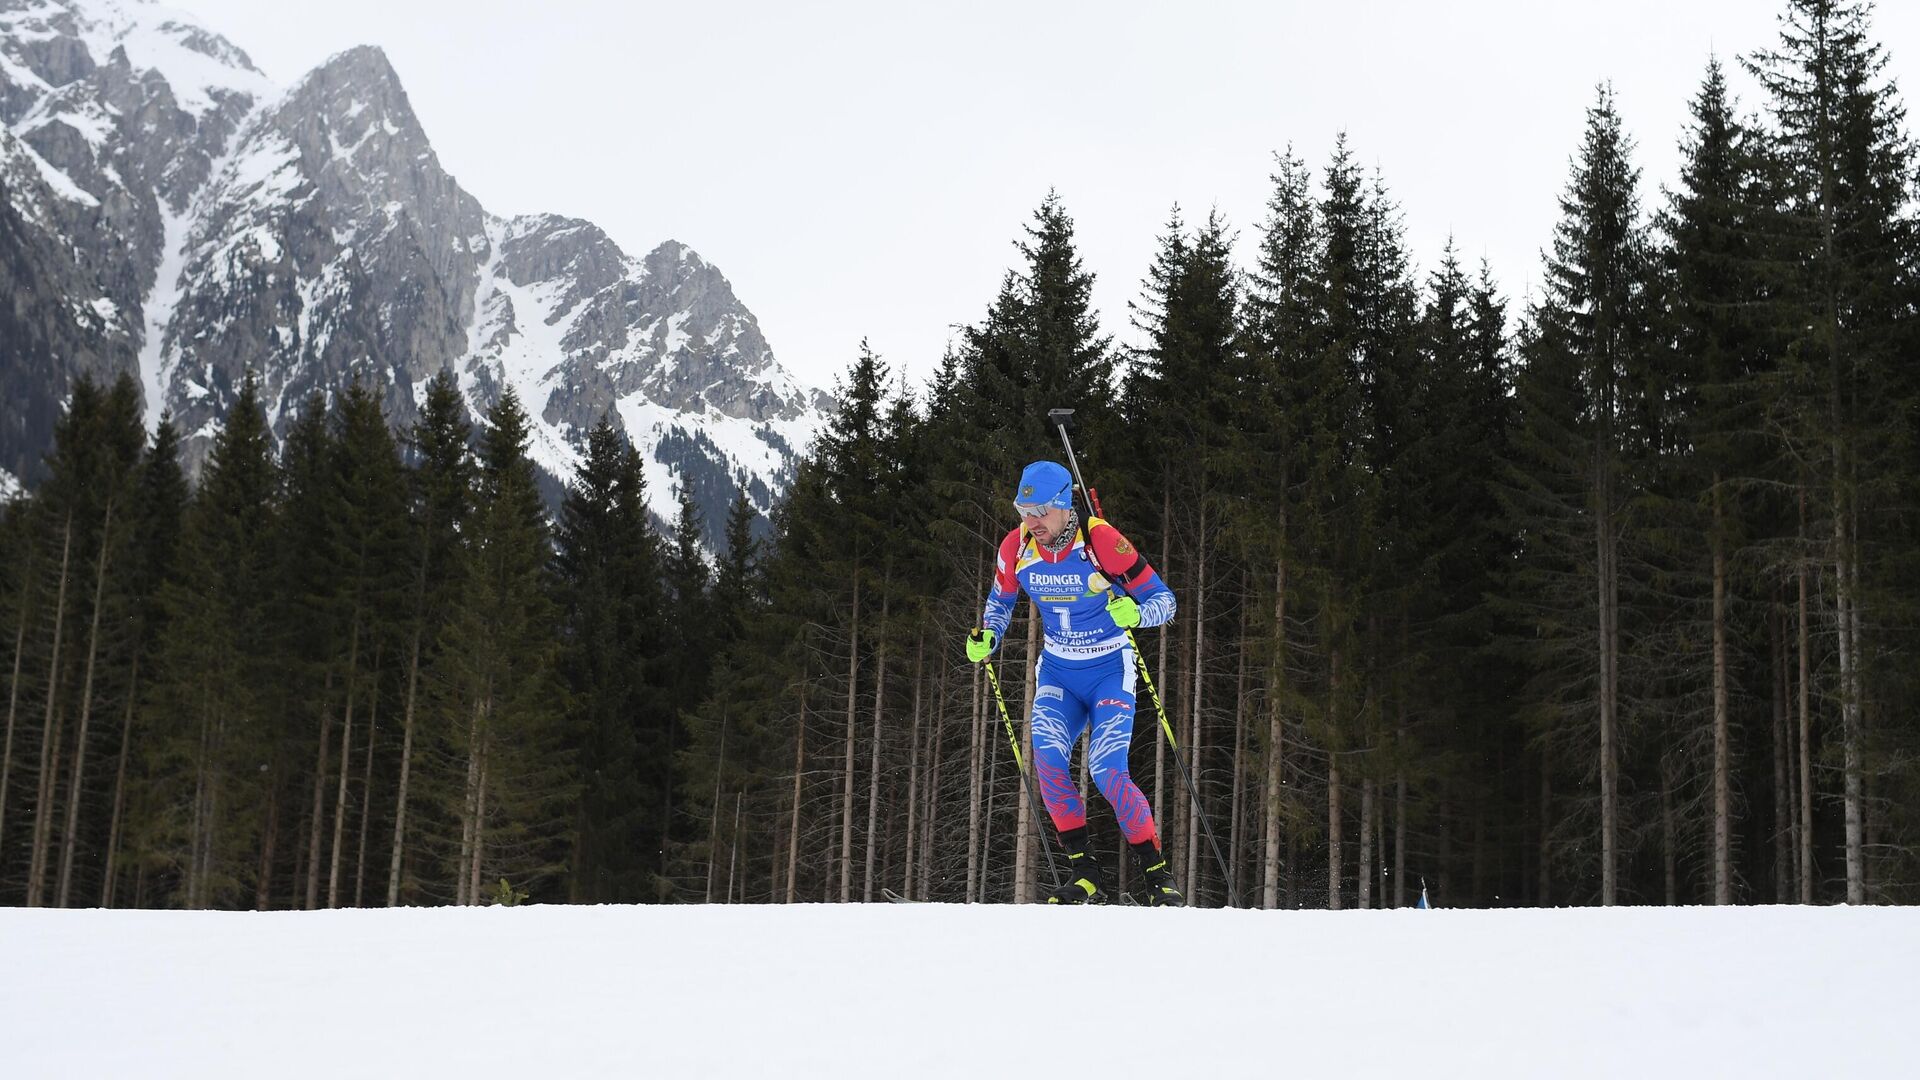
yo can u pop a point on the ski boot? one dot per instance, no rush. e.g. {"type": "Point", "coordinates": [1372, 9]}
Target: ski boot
{"type": "Point", "coordinates": [1161, 891]}
{"type": "Point", "coordinates": [1086, 884]}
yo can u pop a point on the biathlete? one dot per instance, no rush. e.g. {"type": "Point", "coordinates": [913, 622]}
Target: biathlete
{"type": "Point", "coordinates": [1090, 587]}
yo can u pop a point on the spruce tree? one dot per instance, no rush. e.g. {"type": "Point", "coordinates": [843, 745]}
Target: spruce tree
{"type": "Point", "coordinates": [368, 543]}
{"type": "Point", "coordinates": [1848, 238]}
{"type": "Point", "coordinates": [309, 635]}
{"type": "Point", "coordinates": [735, 583]}
{"type": "Point", "coordinates": [498, 687]}
{"type": "Point", "coordinates": [440, 497]}
{"type": "Point", "coordinates": [159, 514]}
{"type": "Point", "coordinates": [1714, 229]}
{"type": "Point", "coordinates": [727, 768]}
{"type": "Point", "coordinates": [204, 813]}
{"type": "Point", "coordinates": [614, 622]}
{"type": "Point", "coordinates": [1191, 378]}
{"type": "Point", "coordinates": [86, 510]}
{"type": "Point", "coordinates": [1283, 303]}
{"type": "Point", "coordinates": [1582, 432]}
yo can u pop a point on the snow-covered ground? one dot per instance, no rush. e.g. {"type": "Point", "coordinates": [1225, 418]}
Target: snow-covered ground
{"type": "Point", "coordinates": [951, 991]}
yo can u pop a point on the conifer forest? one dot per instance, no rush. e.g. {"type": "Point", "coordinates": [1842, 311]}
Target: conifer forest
{"type": "Point", "coordinates": [1610, 595]}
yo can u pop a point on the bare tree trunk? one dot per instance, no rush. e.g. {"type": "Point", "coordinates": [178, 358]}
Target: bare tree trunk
{"type": "Point", "coordinates": [212, 831]}
{"type": "Point", "coordinates": [713, 822]}
{"type": "Point", "coordinates": [666, 796]}
{"type": "Point", "coordinates": [777, 843]}
{"type": "Point", "coordinates": [846, 794]}
{"type": "Point", "coordinates": [933, 784]}
{"type": "Point", "coordinates": [317, 824]}
{"type": "Point", "coordinates": [263, 888]}
{"type": "Point", "coordinates": [913, 769]}
{"type": "Point", "coordinates": [1179, 692]}
{"type": "Point", "coordinates": [1609, 790]}
{"type": "Point", "coordinates": [1366, 844]}
{"type": "Point", "coordinates": [1239, 804]}
{"type": "Point", "coordinates": [1546, 829]}
{"type": "Point", "coordinates": [346, 766]}
{"type": "Point", "coordinates": [1293, 869]}
{"type": "Point", "coordinates": [366, 788]}
{"type": "Point", "coordinates": [1849, 715]}
{"type": "Point", "coordinates": [50, 732]}
{"type": "Point", "coordinates": [799, 769]}
{"type": "Point", "coordinates": [1722, 747]}
{"type": "Point", "coordinates": [470, 807]}
{"type": "Point", "coordinates": [47, 811]}
{"type": "Point", "coordinates": [467, 790]}
{"type": "Point", "coordinates": [406, 771]}
{"type": "Point", "coordinates": [1270, 876]}
{"type": "Point", "coordinates": [1333, 782]}
{"type": "Point", "coordinates": [1857, 756]}
{"type": "Point", "coordinates": [76, 790]}
{"type": "Point", "coordinates": [1844, 597]}
{"type": "Point", "coordinates": [201, 780]}
{"type": "Point", "coordinates": [13, 692]}
{"type": "Point", "coordinates": [1380, 847]}
{"type": "Point", "coordinates": [1400, 812]}
{"type": "Point", "coordinates": [1806, 729]}
{"type": "Point", "coordinates": [977, 716]}
{"type": "Point", "coordinates": [1667, 841]}
{"type": "Point", "coordinates": [873, 751]}
{"type": "Point", "coordinates": [733, 848]}
{"type": "Point", "coordinates": [119, 788]}
{"type": "Point", "coordinates": [1333, 830]}
{"type": "Point", "coordinates": [1782, 772]}
{"type": "Point", "coordinates": [480, 819]}
{"type": "Point", "coordinates": [1195, 773]}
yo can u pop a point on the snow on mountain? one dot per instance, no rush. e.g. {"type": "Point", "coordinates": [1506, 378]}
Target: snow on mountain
{"type": "Point", "coordinates": [218, 225]}
{"type": "Point", "coordinates": [203, 69]}
{"type": "Point", "coordinates": [940, 990]}
{"type": "Point", "coordinates": [578, 328]}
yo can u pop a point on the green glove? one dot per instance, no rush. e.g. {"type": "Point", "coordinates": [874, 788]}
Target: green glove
{"type": "Point", "coordinates": [1122, 610]}
{"type": "Point", "coordinates": [980, 644]}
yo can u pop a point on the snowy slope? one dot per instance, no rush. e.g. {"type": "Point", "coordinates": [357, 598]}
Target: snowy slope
{"type": "Point", "coordinates": [202, 68]}
{"type": "Point", "coordinates": [951, 991]}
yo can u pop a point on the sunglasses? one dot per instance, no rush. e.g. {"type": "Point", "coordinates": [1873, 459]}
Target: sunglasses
{"type": "Point", "coordinates": [1033, 511]}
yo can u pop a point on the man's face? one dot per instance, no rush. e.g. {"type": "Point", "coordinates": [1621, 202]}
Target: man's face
{"type": "Point", "coordinates": [1046, 524]}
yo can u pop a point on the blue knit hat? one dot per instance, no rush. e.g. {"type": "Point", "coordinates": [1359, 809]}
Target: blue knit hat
{"type": "Point", "coordinates": [1045, 483]}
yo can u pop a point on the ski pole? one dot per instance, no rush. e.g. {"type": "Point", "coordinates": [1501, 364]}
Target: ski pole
{"type": "Point", "coordinates": [1033, 793]}
{"type": "Point", "coordinates": [1060, 419]}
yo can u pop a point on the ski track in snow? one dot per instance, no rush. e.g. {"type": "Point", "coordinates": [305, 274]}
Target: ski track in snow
{"type": "Point", "coordinates": [937, 990]}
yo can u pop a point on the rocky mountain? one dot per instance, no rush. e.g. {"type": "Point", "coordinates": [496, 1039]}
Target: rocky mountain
{"type": "Point", "coordinates": [167, 211]}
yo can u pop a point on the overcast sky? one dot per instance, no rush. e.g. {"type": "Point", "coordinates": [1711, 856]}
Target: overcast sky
{"type": "Point", "coordinates": [862, 170]}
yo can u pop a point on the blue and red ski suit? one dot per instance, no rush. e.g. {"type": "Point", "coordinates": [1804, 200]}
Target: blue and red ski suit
{"type": "Point", "coordinates": [1086, 672]}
